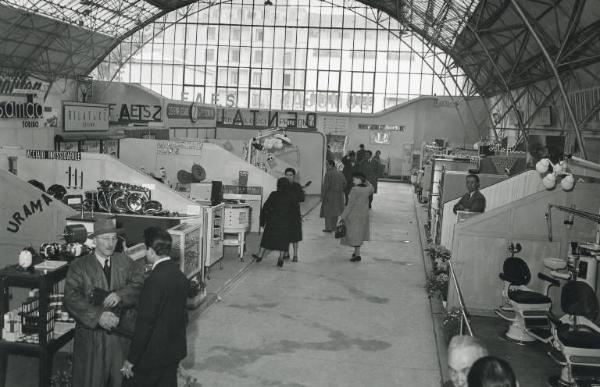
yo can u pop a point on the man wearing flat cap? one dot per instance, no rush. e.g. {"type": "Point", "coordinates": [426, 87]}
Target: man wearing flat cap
{"type": "Point", "coordinates": [98, 353]}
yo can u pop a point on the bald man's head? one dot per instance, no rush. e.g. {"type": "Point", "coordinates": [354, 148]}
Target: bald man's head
{"type": "Point", "coordinates": [463, 351]}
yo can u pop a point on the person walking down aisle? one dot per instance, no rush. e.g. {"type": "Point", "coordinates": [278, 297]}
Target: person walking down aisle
{"type": "Point", "coordinates": [371, 168]}
{"type": "Point", "coordinates": [159, 341]}
{"type": "Point", "coordinates": [296, 231]}
{"type": "Point", "coordinates": [356, 215]}
{"type": "Point", "coordinates": [349, 162]}
{"type": "Point", "coordinates": [277, 217]}
{"type": "Point", "coordinates": [332, 196]}
{"type": "Point", "coordinates": [97, 353]}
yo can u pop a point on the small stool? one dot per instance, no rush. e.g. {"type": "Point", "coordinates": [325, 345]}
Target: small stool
{"type": "Point", "coordinates": [239, 241]}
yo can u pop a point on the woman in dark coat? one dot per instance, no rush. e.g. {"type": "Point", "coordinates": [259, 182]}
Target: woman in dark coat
{"type": "Point", "coordinates": [277, 217]}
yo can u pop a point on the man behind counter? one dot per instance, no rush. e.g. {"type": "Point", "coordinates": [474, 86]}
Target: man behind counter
{"type": "Point", "coordinates": [472, 201]}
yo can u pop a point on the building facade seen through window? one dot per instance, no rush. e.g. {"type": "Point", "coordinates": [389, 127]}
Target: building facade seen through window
{"type": "Point", "coordinates": [337, 56]}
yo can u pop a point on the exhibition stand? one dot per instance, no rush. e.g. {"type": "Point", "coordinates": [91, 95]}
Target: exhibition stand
{"type": "Point", "coordinates": [218, 164]}
{"type": "Point", "coordinates": [479, 245]}
{"type": "Point", "coordinates": [496, 195]}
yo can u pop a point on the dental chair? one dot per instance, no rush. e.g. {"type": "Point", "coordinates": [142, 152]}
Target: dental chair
{"type": "Point", "coordinates": [576, 336]}
{"type": "Point", "coordinates": [530, 308]}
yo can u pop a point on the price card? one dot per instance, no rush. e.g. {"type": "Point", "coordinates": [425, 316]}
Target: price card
{"type": "Point", "coordinates": [193, 210]}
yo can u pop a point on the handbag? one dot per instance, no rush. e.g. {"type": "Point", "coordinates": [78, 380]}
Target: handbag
{"type": "Point", "coordinates": [340, 231]}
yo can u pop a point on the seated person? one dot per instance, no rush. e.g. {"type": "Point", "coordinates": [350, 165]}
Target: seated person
{"type": "Point", "coordinates": [472, 201]}
{"type": "Point", "coordinates": [490, 371]}
{"type": "Point", "coordinates": [463, 351]}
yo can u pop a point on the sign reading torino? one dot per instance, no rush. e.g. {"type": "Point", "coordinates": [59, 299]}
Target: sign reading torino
{"type": "Point", "coordinates": [85, 117]}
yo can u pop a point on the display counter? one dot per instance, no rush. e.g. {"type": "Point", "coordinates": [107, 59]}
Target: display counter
{"type": "Point", "coordinates": [48, 341]}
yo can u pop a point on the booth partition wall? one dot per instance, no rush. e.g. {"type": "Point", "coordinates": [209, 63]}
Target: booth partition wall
{"type": "Point", "coordinates": [334, 56]}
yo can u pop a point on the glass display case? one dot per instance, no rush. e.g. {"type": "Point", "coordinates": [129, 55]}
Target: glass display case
{"type": "Point", "coordinates": [213, 234]}
{"type": "Point", "coordinates": [186, 247]}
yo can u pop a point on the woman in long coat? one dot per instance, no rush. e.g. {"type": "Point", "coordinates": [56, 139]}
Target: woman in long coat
{"type": "Point", "coordinates": [332, 196]}
{"type": "Point", "coordinates": [278, 218]}
{"type": "Point", "coordinates": [356, 215]}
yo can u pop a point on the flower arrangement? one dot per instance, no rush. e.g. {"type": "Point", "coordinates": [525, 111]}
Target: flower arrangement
{"type": "Point", "coordinates": [451, 323]}
{"type": "Point", "coordinates": [437, 283]}
{"type": "Point", "coordinates": [438, 251]}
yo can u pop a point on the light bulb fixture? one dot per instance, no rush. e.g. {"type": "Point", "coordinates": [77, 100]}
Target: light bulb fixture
{"type": "Point", "coordinates": [553, 174]}
{"type": "Point", "coordinates": [268, 2]}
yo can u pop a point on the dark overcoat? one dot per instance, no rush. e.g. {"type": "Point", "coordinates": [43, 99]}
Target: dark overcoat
{"type": "Point", "coordinates": [332, 194]}
{"type": "Point", "coordinates": [278, 216]}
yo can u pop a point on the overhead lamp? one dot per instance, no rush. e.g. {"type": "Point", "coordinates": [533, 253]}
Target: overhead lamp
{"type": "Point", "coordinates": [268, 2]}
{"type": "Point", "coordinates": [558, 175]}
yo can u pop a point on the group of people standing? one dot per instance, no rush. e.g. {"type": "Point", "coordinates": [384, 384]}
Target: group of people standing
{"type": "Point", "coordinates": [367, 163]}
{"type": "Point", "coordinates": [282, 220]}
{"type": "Point", "coordinates": [346, 198]}
{"type": "Point", "coordinates": [100, 291]}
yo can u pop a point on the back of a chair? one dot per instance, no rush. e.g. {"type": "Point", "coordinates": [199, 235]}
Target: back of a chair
{"type": "Point", "coordinates": [579, 299]}
{"type": "Point", "coordinates": [515, 271]}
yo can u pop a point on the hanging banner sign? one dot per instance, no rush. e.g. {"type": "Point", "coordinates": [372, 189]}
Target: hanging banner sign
{"type": "Point", "coordinates": [12, 109]}
{"type": "Point", "coordinates": [190, 115]}
{"type": "Point", "coordinates": [18, 83]}
{"type": "Point", "coordinates": [261, 119]}
{"type": "Point", "coordinates": [85, 117]}
{"type": "Point", "coordinates": [53, 155]}
{"type": "Point", "coordinates": [134, 113]}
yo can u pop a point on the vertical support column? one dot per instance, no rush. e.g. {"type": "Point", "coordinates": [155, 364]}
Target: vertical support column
{"type": "Point", "coordinates": [556, 75]}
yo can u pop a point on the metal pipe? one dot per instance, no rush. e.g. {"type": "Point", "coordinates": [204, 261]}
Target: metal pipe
{"type": "Point", "coordinates": [461, 302]}
{"type": "Point", "coordinates": [586, 163]}
{"type": "Point", "coordinates": [556, 75]}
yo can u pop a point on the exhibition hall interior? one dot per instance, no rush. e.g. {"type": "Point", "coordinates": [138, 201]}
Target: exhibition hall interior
{"type": "Point", "coordinates": [299, 193]}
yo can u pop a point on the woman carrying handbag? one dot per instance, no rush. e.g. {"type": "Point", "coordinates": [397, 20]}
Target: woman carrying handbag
{"type": "Point", "coordinates": [356, 215]}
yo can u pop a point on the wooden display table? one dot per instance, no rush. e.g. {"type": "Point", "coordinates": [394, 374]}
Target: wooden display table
{"type": "Point", "coordinates": [46, 348]}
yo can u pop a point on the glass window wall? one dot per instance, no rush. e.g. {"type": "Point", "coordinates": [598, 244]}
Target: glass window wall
{"type": "Point", "coordinates": [296, 54]}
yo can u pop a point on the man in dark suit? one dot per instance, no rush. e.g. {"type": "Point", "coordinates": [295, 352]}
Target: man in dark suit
{"type": "Point", "coordinates": [159, 341]}
{"type": "Point", "coordinates": [472, 201]}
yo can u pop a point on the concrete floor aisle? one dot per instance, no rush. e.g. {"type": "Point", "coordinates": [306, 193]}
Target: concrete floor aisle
{"type": "Point", "coordinates": [325, 321]}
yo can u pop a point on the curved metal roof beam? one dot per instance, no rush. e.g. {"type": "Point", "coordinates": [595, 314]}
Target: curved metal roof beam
{"type": "Point", "coordinates": [521, 127]}
{"type": "Point", "coordinates": [556, 76]}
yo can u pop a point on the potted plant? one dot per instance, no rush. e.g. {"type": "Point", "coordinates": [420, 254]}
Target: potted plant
{"type": "Point", "coordinates": [437, 284]}
{"type": "Point", "coordinates": [451, 323]}
{"type": "Point", "coordinates": [436, 251]}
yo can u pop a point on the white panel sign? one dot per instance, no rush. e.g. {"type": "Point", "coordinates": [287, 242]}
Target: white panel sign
{"type": "Point", "coordinates": [85, 117]}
